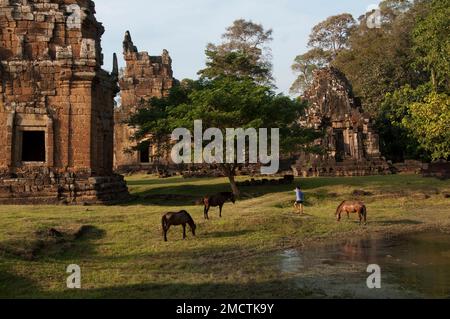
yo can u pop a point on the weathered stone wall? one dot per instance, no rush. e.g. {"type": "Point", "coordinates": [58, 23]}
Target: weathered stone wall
{"type": "Point", "coordinates": [143, 78]}
{"type": "Point", "coordinates": [351, 144]}
{"type": "Point", "coordinates": [52, 82]}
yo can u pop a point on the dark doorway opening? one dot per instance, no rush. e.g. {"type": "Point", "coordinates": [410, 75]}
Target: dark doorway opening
{"type": "Point", "coordinates": [33, 146]}
{"type": "Point", "coordinates": [144, 154]}
{"type": "Point", "coordinates": [340, 146]}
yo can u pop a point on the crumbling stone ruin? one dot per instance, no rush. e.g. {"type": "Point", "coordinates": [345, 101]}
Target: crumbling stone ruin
{"type": "Point", "coordinates": [56, 105]}
{"type": "Point", "coordinates": [351, 144]}
{"type": "Point", "coordinates": [144, 77]}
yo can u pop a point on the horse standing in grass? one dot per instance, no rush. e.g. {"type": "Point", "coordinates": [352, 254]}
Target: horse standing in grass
{"type": "Point", "coordinates": [351, 207]}
{"type": "Point", "coordinates": [176, 219]}
{"type": "Point", "coordinates": [218, 200]}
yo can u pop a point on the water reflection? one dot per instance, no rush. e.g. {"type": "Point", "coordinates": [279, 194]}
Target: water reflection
{"type": "Point", "coordinates": [418, 262]}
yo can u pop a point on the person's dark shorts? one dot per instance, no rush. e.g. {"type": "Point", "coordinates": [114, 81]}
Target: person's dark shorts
{"type": "Point", "coordinates": [299, 202]}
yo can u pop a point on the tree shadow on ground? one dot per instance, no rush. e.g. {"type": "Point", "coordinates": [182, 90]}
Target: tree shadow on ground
{"type": "Point", "coordinates": [264, 290]}
{"type": "Point", "coordinates": [190, 193]}
{"type": "Point", "coordinates": [52, 243]}
{"type": "Point", "coordinates": [22, 285]}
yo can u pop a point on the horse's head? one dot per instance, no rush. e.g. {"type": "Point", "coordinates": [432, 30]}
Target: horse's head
{"type": "Point", "coordinates": [233, 198]}
{"type": "Point", "coordinates": [193, 228]}
{"type": "Point", "coordinates": [339, 211]}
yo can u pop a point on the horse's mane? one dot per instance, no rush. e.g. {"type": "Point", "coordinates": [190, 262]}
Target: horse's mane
{"type": "Point", "coordinates": [191, 220]}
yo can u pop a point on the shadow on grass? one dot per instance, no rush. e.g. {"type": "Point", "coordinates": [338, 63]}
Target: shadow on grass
{"type": "Point", "coordinates": [12, 286]}
{"type": "Point", "coordinates": [273, 289]}
{"type": "Point", "coordinates": [52, 244]}
{"type": "Point", "coordinates": [189, 188]}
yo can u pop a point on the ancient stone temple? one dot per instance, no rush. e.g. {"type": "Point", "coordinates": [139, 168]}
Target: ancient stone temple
{"type": "Point", "coordinates": [350, 142]}
{"type": "Point", "coordinates": [56, 105]}
{"type": "Point", "coordinates": [144, 77]}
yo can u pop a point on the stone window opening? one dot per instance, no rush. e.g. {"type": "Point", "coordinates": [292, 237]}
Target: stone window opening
{"type": "Point", "coordinates": [144, 155]}
{"type": "Point", "coordinates": [33, 147]}
{"type": "Point", "coordinates": [340, 146]}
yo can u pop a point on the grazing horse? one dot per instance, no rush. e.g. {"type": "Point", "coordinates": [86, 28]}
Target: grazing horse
{"type": "Point", "coordinates": [217, 201]}
{"type": "Point", "coordinates": [176, 219]}
{"type": "Point", "coordinates": [351, 207]}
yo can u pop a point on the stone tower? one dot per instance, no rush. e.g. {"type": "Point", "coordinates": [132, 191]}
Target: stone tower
{"type": "Point", "coordinates": [144, 77]}
{"type": "Point", "coordinates": [350, 142]}
{"type": "Point", "coordinates": [56, 105]}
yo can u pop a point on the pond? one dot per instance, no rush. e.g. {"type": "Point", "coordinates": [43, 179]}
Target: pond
{"type": "Point", "coordinates": [412, 266]}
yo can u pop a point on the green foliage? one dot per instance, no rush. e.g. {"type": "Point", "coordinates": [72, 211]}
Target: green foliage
{"type": "Point", "coordinates": [393, 70]}
{"type": "Point", "coordinates": [380, 60]}
{"type": "Point", "coordinates": [429, 122]}
{"type": "Point", "coordinates": [332, 35]}
{"type": "Point", "coordinates": [224, 102]}
{"type": "Point", "coordinates": [432, 44]}
{"type": "Point", "coordinates": [396, 141]}
{"type": "Point", "coordinates": [234, 91]}
{"type": "Point", "coordinates": [305, 65]}
{"type": "Point", "coordinates": [243, 53]}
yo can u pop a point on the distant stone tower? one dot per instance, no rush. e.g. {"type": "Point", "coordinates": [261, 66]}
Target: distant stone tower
{"type": "Point", "coordinates": [56, 105]}
{"type": "Point", "coordinates": [350, 142]}
{"type": "Point", "coordinates": [143, 78]}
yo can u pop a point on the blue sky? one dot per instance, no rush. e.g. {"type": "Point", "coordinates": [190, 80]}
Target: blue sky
{"type": "Point", "coordinates": [184, 27]}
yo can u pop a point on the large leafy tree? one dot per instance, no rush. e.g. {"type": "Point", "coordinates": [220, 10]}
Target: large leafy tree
{"type": "Point", "coordinates": [397, 142]}
{"type": "Point", "coordinates": [326, 41]}
{"type": "Point", "coordinates": [394, 69]}
{"type": "Point", "coordinates": [225, 102]}
{"type": "Point", "coordinates": [234, 91]}
{"type": "Point", "coordinates": [305, 65]}
{"type": "Point", "coordinates": [332, 35]}
{"type": "Point", "coordinates": [229, 102]}
{"type": "Point", "coordinates": [380, 59]}
{"type": "Point", "coordinates": [244, 52]}
{"type": "Point", "coordinates": [431, 39]}
{"type": "Point", "coordinates": [429, 122]}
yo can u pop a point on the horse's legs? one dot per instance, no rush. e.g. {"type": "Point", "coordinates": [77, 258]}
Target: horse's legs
{"type": "Point", "coordinates": [206, 211]}
{"type": "Point", "coordinates": [184, 231]}
{"type": "Point", "coordinates": [220, 209]}
{"type": "Point", "coordinates": [348, 215]}
{"type": "Point", "coordinates": [166, 230]}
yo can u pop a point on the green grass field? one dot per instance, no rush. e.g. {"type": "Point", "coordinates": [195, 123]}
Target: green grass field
{"type": "Point", "coordinates": [122, 255]}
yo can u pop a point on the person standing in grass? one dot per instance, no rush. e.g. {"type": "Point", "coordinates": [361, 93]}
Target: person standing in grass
{"type": "Point", "coordinates": [300, 200]}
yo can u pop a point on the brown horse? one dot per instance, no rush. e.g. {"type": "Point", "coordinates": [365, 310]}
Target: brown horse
{"type": "Point", "coordinates": [218, 200]}
{"type": "Point", "coordinates": [176, 219]}
{"type": "Point", "coordinates": [351, 207]}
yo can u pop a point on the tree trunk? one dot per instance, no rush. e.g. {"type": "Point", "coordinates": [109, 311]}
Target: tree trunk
{"type": "Point", "coordinates": [234, 186]}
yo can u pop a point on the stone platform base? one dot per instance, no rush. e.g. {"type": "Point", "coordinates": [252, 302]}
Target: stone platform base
{"type": "Point", "coordinates": [439, 170]}
{"type": "Point", "coordinates": [343, 169]}
{"type": "Point", "coordinates": [68, 189]}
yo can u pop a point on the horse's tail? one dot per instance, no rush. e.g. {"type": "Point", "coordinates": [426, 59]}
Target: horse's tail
{"type": "Point", "coordinates": [164, 224]}
{"type": "Point", "coordinates": [338, 210]}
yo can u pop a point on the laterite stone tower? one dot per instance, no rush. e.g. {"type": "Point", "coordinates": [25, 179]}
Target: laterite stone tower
{"type": "Point", "coordinates": [56, 105]}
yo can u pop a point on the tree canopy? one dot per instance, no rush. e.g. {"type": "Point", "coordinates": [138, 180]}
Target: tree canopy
{"type": "Point", "coordinates": [244, 52]}
{"type": "Point", "coordinates": [234, 91]}
{"type": "Point", "coordinates": [395, 69]}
